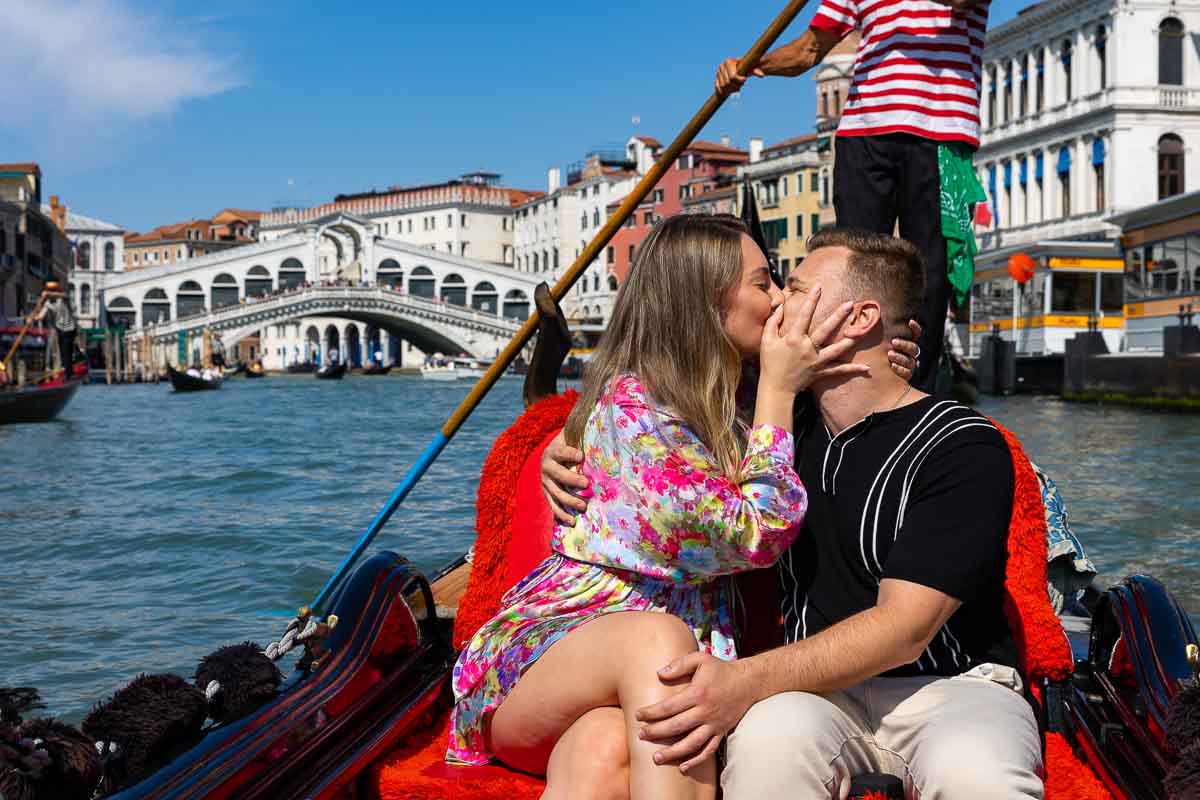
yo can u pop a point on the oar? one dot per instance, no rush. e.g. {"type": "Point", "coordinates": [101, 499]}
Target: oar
{"type": "Point", "coordinates": [589, 254]}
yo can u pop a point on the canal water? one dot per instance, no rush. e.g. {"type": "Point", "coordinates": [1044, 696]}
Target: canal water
{"type": "Point", "coordinates": [144, 529]}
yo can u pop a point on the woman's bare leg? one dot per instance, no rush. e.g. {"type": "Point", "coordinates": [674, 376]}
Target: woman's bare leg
{"type": "Point", "coordinates": [611, 661]}
{"type": "Point", "coordinates": [591, 760]}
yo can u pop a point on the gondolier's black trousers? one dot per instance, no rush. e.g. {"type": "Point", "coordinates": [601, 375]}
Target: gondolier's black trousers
{"type": "Point", "coordinates": [881, 180]}
{"type": "Point", "coordinates": [66, 351]}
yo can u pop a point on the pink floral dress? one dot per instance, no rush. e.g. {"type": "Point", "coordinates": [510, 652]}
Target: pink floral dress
{"type": "Point", "coordinates": [663, 525]}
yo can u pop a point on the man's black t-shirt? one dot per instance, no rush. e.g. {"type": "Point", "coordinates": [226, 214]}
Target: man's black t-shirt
{"type": "Point", "coordinates": [921, 494]}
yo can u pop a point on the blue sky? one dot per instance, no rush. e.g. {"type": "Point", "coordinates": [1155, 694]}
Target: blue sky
{"type": "Point", "coordinates": [144, 113]}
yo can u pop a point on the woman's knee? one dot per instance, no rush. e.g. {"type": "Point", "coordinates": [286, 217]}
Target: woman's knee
{"type": "Point", "coordinates": [660, 635]}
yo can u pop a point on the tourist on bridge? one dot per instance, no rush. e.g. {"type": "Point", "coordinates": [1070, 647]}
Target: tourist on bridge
{"type": "Point", "coordinates": [59, 307]}
{"type": "Point", "coordinates": [908, 131]}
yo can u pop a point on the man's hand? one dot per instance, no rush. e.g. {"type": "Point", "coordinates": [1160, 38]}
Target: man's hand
{"type": "Point", "coordinates": [718, 695]}
{"type": "Point", "coordinates": [558, 479]}
{"type": "Point", "coordinates": [728, 80]}
{"type": "Point", "coordinates": [905, 355]}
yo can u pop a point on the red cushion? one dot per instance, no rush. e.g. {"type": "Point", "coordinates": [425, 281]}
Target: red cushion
{"type": "Point", "coordinates": [532, 523]}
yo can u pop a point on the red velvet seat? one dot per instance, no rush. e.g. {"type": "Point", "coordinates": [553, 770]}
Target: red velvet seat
{"type": "Point", "coordinates": [513, 526]}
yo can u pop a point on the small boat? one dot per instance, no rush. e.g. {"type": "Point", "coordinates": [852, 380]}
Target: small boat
{"type": "Point", "coordinates": [331, 372]}
{"type": "Point", "coordinates": [440, 372]}
{"type": "Point", "coordinates": [236, 369]}
{"type": "Point", "coordinates": [255, 370]}
{"type": "Point", "coordinates": [301, 368]}
{"type": "Point", "coordinates": [183, 382]}
{"type": "Point", "coordinates": [469, 368]}
{"type": "Point", "coordinates": [376, 369]}
{"type": "Point", "coordinates": [36, 402]}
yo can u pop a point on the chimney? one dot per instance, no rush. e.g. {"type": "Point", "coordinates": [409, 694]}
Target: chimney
{"type": "Point", "coordinates": [756, 148]}
{"type": "Point", "coordinates": [725, 139]}
{"type": "Point", "coordinates": [553, 179]}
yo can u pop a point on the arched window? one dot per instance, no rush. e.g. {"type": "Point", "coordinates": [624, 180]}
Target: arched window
{"type": "Point", "coordinates": [454, 290]}
{"type": "Point", "coordinates": [1170, 52]}
{"type": "Point", "coordinates": [421, 283]}
{"type": "Point", "coordinates": [120, 312]}
{"type": "Point", "coordinates": [1101, 42]}
{"type": "Point", "coordinates": [258, 281]}
{"type": "Point", "coordinates": [536, 268]}
{"type": "Point", "coordinates": [1039, 80]}
{"type": "Point", "coordinates": [291, 273]}
{"type": "Point", "coordinates": [224, 291]}
{"type": "Point", "coordinates": [484, 298]}
{"type": "Point", "coordinates": [110, 256]}
{"type": "Point", "coordinates": [390, 273]}
{"type": "Point", "coordinates": [189, 299]}
{"type": "Point", "coordinates": [83, 257]}
{"type": "Point", "coordinates": [85, 299]}
{"type": "Point", "coordinates": [516, 304]}
{"type": "Point", "coordinates": [1170, 165]}
{"type": "Point", "coordinates": [612, 283]}
{"type": "Point", "coordinates": [156, 307]}
{"type": "Point", "coordinates": [1066, 62]}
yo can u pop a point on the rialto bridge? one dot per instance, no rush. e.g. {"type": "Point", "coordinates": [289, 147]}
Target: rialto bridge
{"type": "Point", "coordinates": [333, 283]}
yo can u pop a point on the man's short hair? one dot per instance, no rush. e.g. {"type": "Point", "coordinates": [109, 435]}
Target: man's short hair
{"type": "Point", "coordinates": [880, 267]}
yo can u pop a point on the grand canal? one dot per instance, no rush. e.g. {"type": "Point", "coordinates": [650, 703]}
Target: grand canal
{"type": "Point", "coordinates": [144, 529]}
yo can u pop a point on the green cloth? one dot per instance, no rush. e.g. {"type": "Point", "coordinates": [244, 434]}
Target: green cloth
{"type": "Point", "coordinates": [961, 191]}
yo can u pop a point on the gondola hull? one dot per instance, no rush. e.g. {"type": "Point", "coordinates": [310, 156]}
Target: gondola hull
{"type": "Point", "coordinates": [36, 403]}
{"type": "Point", "coordinates": [332, 373]}
{"type": "Point", "coordinates": [376, 370]}
{"type": "Point", "coordinates": [182, 382]}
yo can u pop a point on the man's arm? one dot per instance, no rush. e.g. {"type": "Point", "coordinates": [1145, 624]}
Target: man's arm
{"type": "Point", "coordinates": [892, 633]}
{"type": "Point", "coordinates": [790, 60]}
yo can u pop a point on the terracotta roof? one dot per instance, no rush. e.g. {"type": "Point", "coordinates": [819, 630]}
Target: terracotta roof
{"type": "Point", "coordinates": [242, 213]}
{"type": "Point", "coordinates": [795, 140]}
{"type": "Point", "coordinates": [163, 233]}
{"type": "Point", "coordinates": [518, 197]}
{"type": "Point", "coordinates": [649, 140]}
{"type": "Point", "coordinates": [715, 149]}
{"type": "Point", "coordinates": [21, 166]}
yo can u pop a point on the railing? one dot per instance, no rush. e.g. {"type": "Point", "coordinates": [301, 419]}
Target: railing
{"type": "Point", "coordinates": [398, 201]}
{"type": "Point", "coordinates": [146, 273]}
{"type": "Point", "coordinates": [1081, 225]}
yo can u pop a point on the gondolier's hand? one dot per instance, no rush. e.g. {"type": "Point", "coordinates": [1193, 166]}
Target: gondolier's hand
{"type": "Point", "coordinates": [728, 80]}
{"type": "Point", "coordinates": [718, 695]}
{"type": "Point", "coordinates": [558, 479]}
{"type": "Point", "coordinates": [904, 352]}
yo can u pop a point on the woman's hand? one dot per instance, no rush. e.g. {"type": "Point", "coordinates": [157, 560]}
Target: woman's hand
{"type": "Point", "coordinates": [559, 478]}
{"type": "Point", "coordinates": [905, 355]}
{"type": "Point", "coordinates": [794, 354]}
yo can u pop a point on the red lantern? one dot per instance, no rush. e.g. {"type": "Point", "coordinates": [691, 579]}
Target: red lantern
{"type": "Point", "coordinates": [1021, 267]}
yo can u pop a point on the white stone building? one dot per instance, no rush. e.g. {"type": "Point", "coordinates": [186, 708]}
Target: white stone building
{"type": "Point", "coordinates": [99, 252]}
{"type": "Point", "coordinates": [1088, 108]}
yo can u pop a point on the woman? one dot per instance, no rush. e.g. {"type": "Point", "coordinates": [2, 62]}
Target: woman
{"type": "Point", "coordinates": [684, 494]}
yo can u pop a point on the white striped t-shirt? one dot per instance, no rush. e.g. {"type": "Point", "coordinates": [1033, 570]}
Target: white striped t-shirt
{"type": "Point", "coordinates": [917, 69]}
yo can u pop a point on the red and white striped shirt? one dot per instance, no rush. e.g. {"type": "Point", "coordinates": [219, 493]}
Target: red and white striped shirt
{"type": "Point", "coordinates": [917, 70]}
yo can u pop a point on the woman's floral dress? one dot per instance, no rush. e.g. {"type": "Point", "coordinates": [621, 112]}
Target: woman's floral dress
{"type": "Point", "coordinates": [663, 524]}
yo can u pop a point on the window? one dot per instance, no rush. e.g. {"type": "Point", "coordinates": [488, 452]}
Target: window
{"type": "Point", "coordinates": [814, 181]}
{"type": "Point", "coordinates": [1101, 42]}
{"type": "Point", "coordinates": [1040, 81]}
{"type": "Point", "coordinates": [991, 106]}
{"type": "Point", "coordinates": [824, 104]}
{"type": "Point", "coordinates": [774, 231]}
{"type": "Point", "coordinates": [595, 190]}
{"type": "Point", "coordinates": [770, 192]}
{"type": "Point", "coordinates": [785, 266]}
{"type": "Point", "coordinates": [648, 218]}
{"type": "Point", "coordinates": [631, 255]}
{"type": "Point", "coordinates": [659, 196]}
{"type": "Point", "coordinates": [462, 220]}
{"type": "Point", "coordinates": [685, 191]}
{"type": "Point", "coordinates": [596, 217]}
{"type": "Point", "coordinates": [1073, 292]}
{"type": "Point", "coordinates": [556, 258]}
{"type": "Point", "coordinates": [1066, 63]}
{"type": "Point", "coordinates": [1023, 107]}
{"type": "Point", "coordinates": [583, 221]}
{"type": "Point", "coordinates": [410, 225]}
{"type": "Point", "coordinates": [85, 299]}
{"type": "Point", "coordinates": [545, 261]}
{"type": "Point", "coordinates": [1170, 52]}
{"type": "Point", "coordinates": [1170, 166]}
{"type": "Point", "coordinates": [1008, 92]}
{"type": "Point", "coordinates": [799, 226]}
{"type": "Point", "coordinates": [783, 183]}
{"type": "Point", "coordinates": [814, 224]}
{"type": "Point", "coordinates": [685, 161]}
{"type": "Point", "coordinates": [612, 255]}
{"type": "Point", "coordinates": [1098, 171]}
{"type": "Point", "coordinates": [450, 221]}
{"type": "Point", "coordinates": [837, 101]}
{"type": "Point", "coordinates": [536, 268]}
{"type": "Point", "coordinates": [83, 256]}
{"type": "Point", "coordinates": [612, 283]}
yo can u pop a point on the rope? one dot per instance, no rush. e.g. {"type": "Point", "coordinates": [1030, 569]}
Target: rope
{"type": "Point", "coordinates": [299, 631]}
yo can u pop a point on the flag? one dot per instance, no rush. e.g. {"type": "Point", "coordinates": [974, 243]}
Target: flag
{"type": "Point", "coordinates": [983, 215]}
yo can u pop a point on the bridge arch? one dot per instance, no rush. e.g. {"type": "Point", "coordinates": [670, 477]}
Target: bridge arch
{"type": "Point", "coordinates": [353, 355]}
{"type": "Point", "coordinates": [484, 297]}
{"type": "Point", "coordinates": [291, 273]}
{"type": "Point", "coordinates": [312, 343]}
{"type": "Point", "coordinates": [454, 289]}
{"type": "Point", "coordinates": [421, 282]}
{"type": "Point", "coordinates": [189, 299]}
{"type": "Point", "coordinates": [333, 341]}
{"type": "Point", "coordinates": [390, 273]}
{"type": "Point", "coordinates": [121, 311]}
{"type": "Point", "coordinates": [156, 307]}
{"type": "Point", "coordinates": [224, 291]}
{"type": "Point", "coordinates": [258, 281]}
{"type": "Point", "coordinates": [516, 304]}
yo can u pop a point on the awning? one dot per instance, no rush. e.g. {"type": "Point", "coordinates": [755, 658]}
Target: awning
{"type": "Point", "coordinates": [1037, 166]}
{"type": "Point", "coordinates": [1064, 160]}
{"type": "Point", "coordinates": [1024, 171]}
{"type": "Point", "coordinates": [992, 192]}
{"type": "Point", "coordinates": [1007, 174]}
{"type": "Point", "coordinates": [1097, 151]}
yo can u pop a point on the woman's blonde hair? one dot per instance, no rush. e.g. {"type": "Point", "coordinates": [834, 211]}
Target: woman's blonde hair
{"type": "Point", "coordinates": [666, 328]}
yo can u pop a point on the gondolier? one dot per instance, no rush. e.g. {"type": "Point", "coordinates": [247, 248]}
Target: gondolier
{"type": "Point", "coordinates": [908, 131]}
{"type": "Point", "coordinates": [59, 307]}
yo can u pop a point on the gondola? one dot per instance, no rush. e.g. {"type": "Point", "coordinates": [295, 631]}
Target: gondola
{"type": "Point", "coordinates": [255, 370]}
{"type": "Point", "coordinates": [36, 402]}
{"type": "Point", "coordinates": [332, 372]}
{"type": "Point", "coordinates": [302, 368]}
{"type": "Point", "coordinates": [236, 369]}
{"type": "Point", "coordinates": [182, 382]}
{"type": "Point", "coordinates": [376, 369]}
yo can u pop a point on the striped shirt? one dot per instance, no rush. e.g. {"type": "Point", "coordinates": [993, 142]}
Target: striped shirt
{"type": "Point", "coordinates": [917, 70]}
{"type": "Point", "coordinates": [921, 494]}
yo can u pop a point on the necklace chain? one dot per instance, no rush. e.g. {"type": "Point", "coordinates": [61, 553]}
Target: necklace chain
{"type": "Point", "coordinates": [903, 395]}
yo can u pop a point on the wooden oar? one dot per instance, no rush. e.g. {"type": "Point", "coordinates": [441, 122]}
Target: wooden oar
{"type": "Point", "coordinates": [573, 273]}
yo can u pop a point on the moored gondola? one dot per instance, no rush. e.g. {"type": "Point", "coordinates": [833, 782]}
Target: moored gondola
{"type": "Point", "coordinates": [183, 382]}
{"type": "Point", "coordinates": [255, 370]}
{"type": "Point", "coordinates": [36, 402]}
{"type": "Point", "coordinates": [301, 368]}
{"type": "Point", "coordinates": [331, 372]}
{"type": "Point", "coordinates": [376, 369]}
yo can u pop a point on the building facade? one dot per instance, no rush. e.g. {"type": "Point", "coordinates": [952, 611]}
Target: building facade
{"type": "Point", "coordinates": [99, 249]}
{"type": "Point", "coordinates": [33, 247]}
{"type": "Point", "coordinates": [170, 244]}
{"type": "Point", "coordinates": [786, 179]}
{"type": "Point", "coordinates": [1088, 110]}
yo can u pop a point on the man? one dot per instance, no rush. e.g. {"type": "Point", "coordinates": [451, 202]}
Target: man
{"type": "Point", "coordinates": [59, 307]}
{"type": "Point", "coordinates": [898, 656]}
{"type": "Point", "coordinates": [911, 117]}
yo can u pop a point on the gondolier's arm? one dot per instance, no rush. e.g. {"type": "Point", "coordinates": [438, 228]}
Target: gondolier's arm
{"type": "Point", "coordinates": [790, 60]}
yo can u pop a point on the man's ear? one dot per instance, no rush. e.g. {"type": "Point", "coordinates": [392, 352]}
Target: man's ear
{"type": "Point", "coordinates": [864, 318]}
